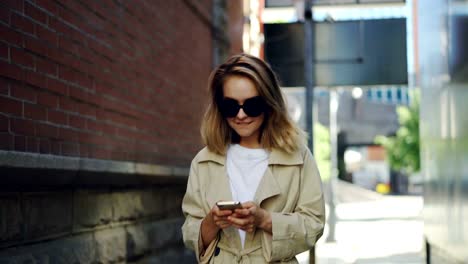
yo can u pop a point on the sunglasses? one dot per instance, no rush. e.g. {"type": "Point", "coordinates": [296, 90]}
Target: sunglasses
{"type": "Point", "coordinates": [252, 107]}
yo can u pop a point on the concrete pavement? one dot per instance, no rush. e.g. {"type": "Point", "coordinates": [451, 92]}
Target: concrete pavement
{"type": "Point", "coordinates": [372, 228]}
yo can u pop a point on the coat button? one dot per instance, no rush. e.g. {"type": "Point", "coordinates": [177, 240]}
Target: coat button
{"type": "Point", "coordinates": [217, 250]}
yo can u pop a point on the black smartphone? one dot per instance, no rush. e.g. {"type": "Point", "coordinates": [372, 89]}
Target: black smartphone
{"type": "Point", "coordinates": [229, 205]}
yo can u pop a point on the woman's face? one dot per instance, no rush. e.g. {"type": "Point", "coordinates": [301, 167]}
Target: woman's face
{"type": "Point", "coordinates": [240, 89]}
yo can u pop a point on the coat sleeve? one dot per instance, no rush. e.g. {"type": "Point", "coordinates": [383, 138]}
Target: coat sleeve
{"type": "Point", "coordinates": [296, 232]}
{"type": "Point", "coordinates": [193, 211]}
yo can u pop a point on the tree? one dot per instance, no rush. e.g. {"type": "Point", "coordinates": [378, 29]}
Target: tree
{"type": "Point", "coordinates": [322, 150]}
{"type": "Point", "coordinates": [403, 148]}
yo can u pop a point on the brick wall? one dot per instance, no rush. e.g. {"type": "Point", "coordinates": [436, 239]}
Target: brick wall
{"type": "Point", "coordinates": [118, 80]}
{"type": "Point", "coordinates": [100, 105]}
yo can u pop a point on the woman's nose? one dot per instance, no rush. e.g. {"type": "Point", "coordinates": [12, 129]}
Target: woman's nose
{"type": "Point", "coordinates": [241, 114]}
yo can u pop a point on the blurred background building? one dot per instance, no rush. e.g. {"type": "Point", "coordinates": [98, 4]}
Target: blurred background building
{"type": "Point", "coordinates": [100, 103]}
{"type": "Point", "coordinates": [361, 65]}
{"type": "Point", "coordinates": [436, 65]}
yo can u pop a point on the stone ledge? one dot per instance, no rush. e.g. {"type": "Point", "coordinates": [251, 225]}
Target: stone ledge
{"type": "Point", "coordinates": [45, 169]}
{"type": "Point", "coordinates": [111, 245]}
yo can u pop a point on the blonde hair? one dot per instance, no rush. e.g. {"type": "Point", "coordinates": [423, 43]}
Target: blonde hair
{"type": "Point", "coordinates": [277, 131]}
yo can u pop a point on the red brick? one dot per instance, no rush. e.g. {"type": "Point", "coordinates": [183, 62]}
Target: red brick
{"type": "Point", "coordinates": [66, 74]}
{"type": "Point", "coordinates": [23, 127]}
{"type": "Point", "coordinates": [47, 99]}
{"type": "Point", "coordinates": [46, 66]}
{"type": "Point", "coordinates": [35, 13]}
{"type": "Point", "coordinates": [34, 112]}
{"type": "Point", "coordinates": [46, 130]}
{"type": "Point", "coordinates": [45, 146]}
{"type": "Point", "coordinates": [78, 93]}
{"type": "Point", "coordinates": [20, 143]}
{"type": "Point", "coordinates": [35, 45]}
{"type": "Point", "coordinates": [14, 4]}
{"type": "Point", "coordinates": [94, 99]}
{"type": "Point", "coordinates": [84, 150]}
{"type": "Point", "coordinates": [86, 54]}
{"type": "Point", "coordinates": [11, 106]}
{"type": "Point", "coordinates": [32, 144]}
{"type": "Point", "coordinates": [36, 79]}
{"type": "Point", "coordinates": [11, 71]}
{"type": "Point", "coordinates": [57, 117]}
{"type": "Point", "coordinates": [70, 149]}
{"type": "Point", "coordinates": [77, 121]}
{"type": "Point", "coordinates": [22, 23]}
{"type": "Point", "coordinates": [5, 15]}
{"type": "Point", "coordinates": [101, 127]}
{"type": "Point", "coordinates": [46, 35]}
{"type": "Point", "coordinates": [67, 105]}
{"type": "Point", "coordinates": [84, 81]}
{"type": "Point", "coordinates": [22, 92]}
{"type": "Point", "coordinates": [87, 110]}
{"type": "Point", "coordinates": [72, 62]}
{"type": "Point", "coordinates": [6, 141]}
{"type": "Point", "coordinates": [48, 5]}
{"type": "Point", "coordinates": [55, 147]}
{"type": "Point", "coordinates": [59, 26]}
{"type": "Point", "coordinates": [65, 43]}
{"type": "Point", "coordinates": [57, 86]}
{"type": "Point", "coordinates": [68, 134]}
{"type": "Point", "coordinates": [4, 87]}
{"type": "Point", "coordinates": [11, 36]}
{"type": "Point", "coordinates": [99, 153]}
{"type": "Point", "coordinates": [21, 57]}
{"type": "Point", "coordinates": [4, 123]}
{"type": "Point", "coordinates": [4, 51]}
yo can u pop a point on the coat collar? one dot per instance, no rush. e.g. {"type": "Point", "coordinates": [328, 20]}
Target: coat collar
{"type": "Point", "coordinates": [277, 157]}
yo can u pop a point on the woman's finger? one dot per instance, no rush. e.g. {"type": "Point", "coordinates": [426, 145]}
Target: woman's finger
{"type": "Point", "coordinates": [240, 221]}
{"type": "Point", "coordinates": [242, 212]}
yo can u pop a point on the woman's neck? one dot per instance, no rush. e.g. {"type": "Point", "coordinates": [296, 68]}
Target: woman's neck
{"type": "Point", "coordinates": [250, 144]}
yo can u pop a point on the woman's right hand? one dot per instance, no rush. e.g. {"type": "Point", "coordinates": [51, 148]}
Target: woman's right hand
{"type": "Point", "coordinates": [214, 221]}
{"type": "Point", "coordinates": [220, 217]}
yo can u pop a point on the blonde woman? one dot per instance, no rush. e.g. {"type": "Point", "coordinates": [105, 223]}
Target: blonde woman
{"type": "Point", "coordinates": [255, 156]}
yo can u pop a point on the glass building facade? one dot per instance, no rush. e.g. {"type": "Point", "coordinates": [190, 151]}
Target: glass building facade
{"type": "Point", "coordinates": [443, 78]}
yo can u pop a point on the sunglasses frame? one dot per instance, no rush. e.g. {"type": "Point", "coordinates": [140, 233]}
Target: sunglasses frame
{"type": "Point", "coordinates": [228, 106]}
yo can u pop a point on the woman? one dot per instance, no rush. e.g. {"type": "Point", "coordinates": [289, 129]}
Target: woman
{"type": "Point", "coordinates": [256, 155]}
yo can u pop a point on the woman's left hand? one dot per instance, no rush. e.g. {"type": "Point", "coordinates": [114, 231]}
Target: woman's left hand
{"type": "Point", "coordinates": [251, 217]}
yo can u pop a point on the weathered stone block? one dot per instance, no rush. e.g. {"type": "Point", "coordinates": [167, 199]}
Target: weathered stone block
{"type": "Point", "coordinates": [153, 202]}
{"type": "Point", "coordinates": [127, 205]}
{"type": "Point", "coordinates": [170, 255]}
{"type": "Point", "coordinates": [92, 208]}
{"type": "Point", "coordinates": [174, 198]}
{"type": "Point", "coordinates": [47, 214]}
{"type": "Point", "coordinates": [137, 241]}
{"type": "Point", "coordinates": [111, 245]}
{"type": "Point", "coordinates": [10, 217]}
{"type": "Point", "coordinates": [75, 249]}
{"type": "Point", "coordinates": [164, 232]}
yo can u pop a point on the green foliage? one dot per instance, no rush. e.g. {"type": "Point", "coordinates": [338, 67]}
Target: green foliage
{"type": "Point", "coordinates": [322, 150]}
{"type": "Point", "coordinates": [403, 148]}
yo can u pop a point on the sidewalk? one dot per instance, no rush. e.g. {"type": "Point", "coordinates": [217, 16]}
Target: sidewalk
{"type": "Point", "coordinates": [372, 228]}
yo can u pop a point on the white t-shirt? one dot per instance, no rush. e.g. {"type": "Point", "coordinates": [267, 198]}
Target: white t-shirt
{"type": "Point", "coordinates": [245, 168]}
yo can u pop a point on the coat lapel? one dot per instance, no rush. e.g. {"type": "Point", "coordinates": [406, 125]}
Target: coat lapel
{"type": "Point", "coordinates": [267, 188]}
{"type": "Point", "coordinates": [220, 190]}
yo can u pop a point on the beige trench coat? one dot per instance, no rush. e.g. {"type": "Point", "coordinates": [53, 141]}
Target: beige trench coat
{"type": "Point", "coordinates": [290, 190]}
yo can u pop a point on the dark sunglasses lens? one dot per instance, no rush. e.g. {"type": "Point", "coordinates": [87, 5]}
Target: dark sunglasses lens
{"type": "Point", "coordinates": [254, 106]}
{"type": "Point", "coordinates": [229, 108]}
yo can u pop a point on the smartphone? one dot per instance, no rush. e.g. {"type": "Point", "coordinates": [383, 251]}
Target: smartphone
{"type": "Point", "coordinates": [229, 205]}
